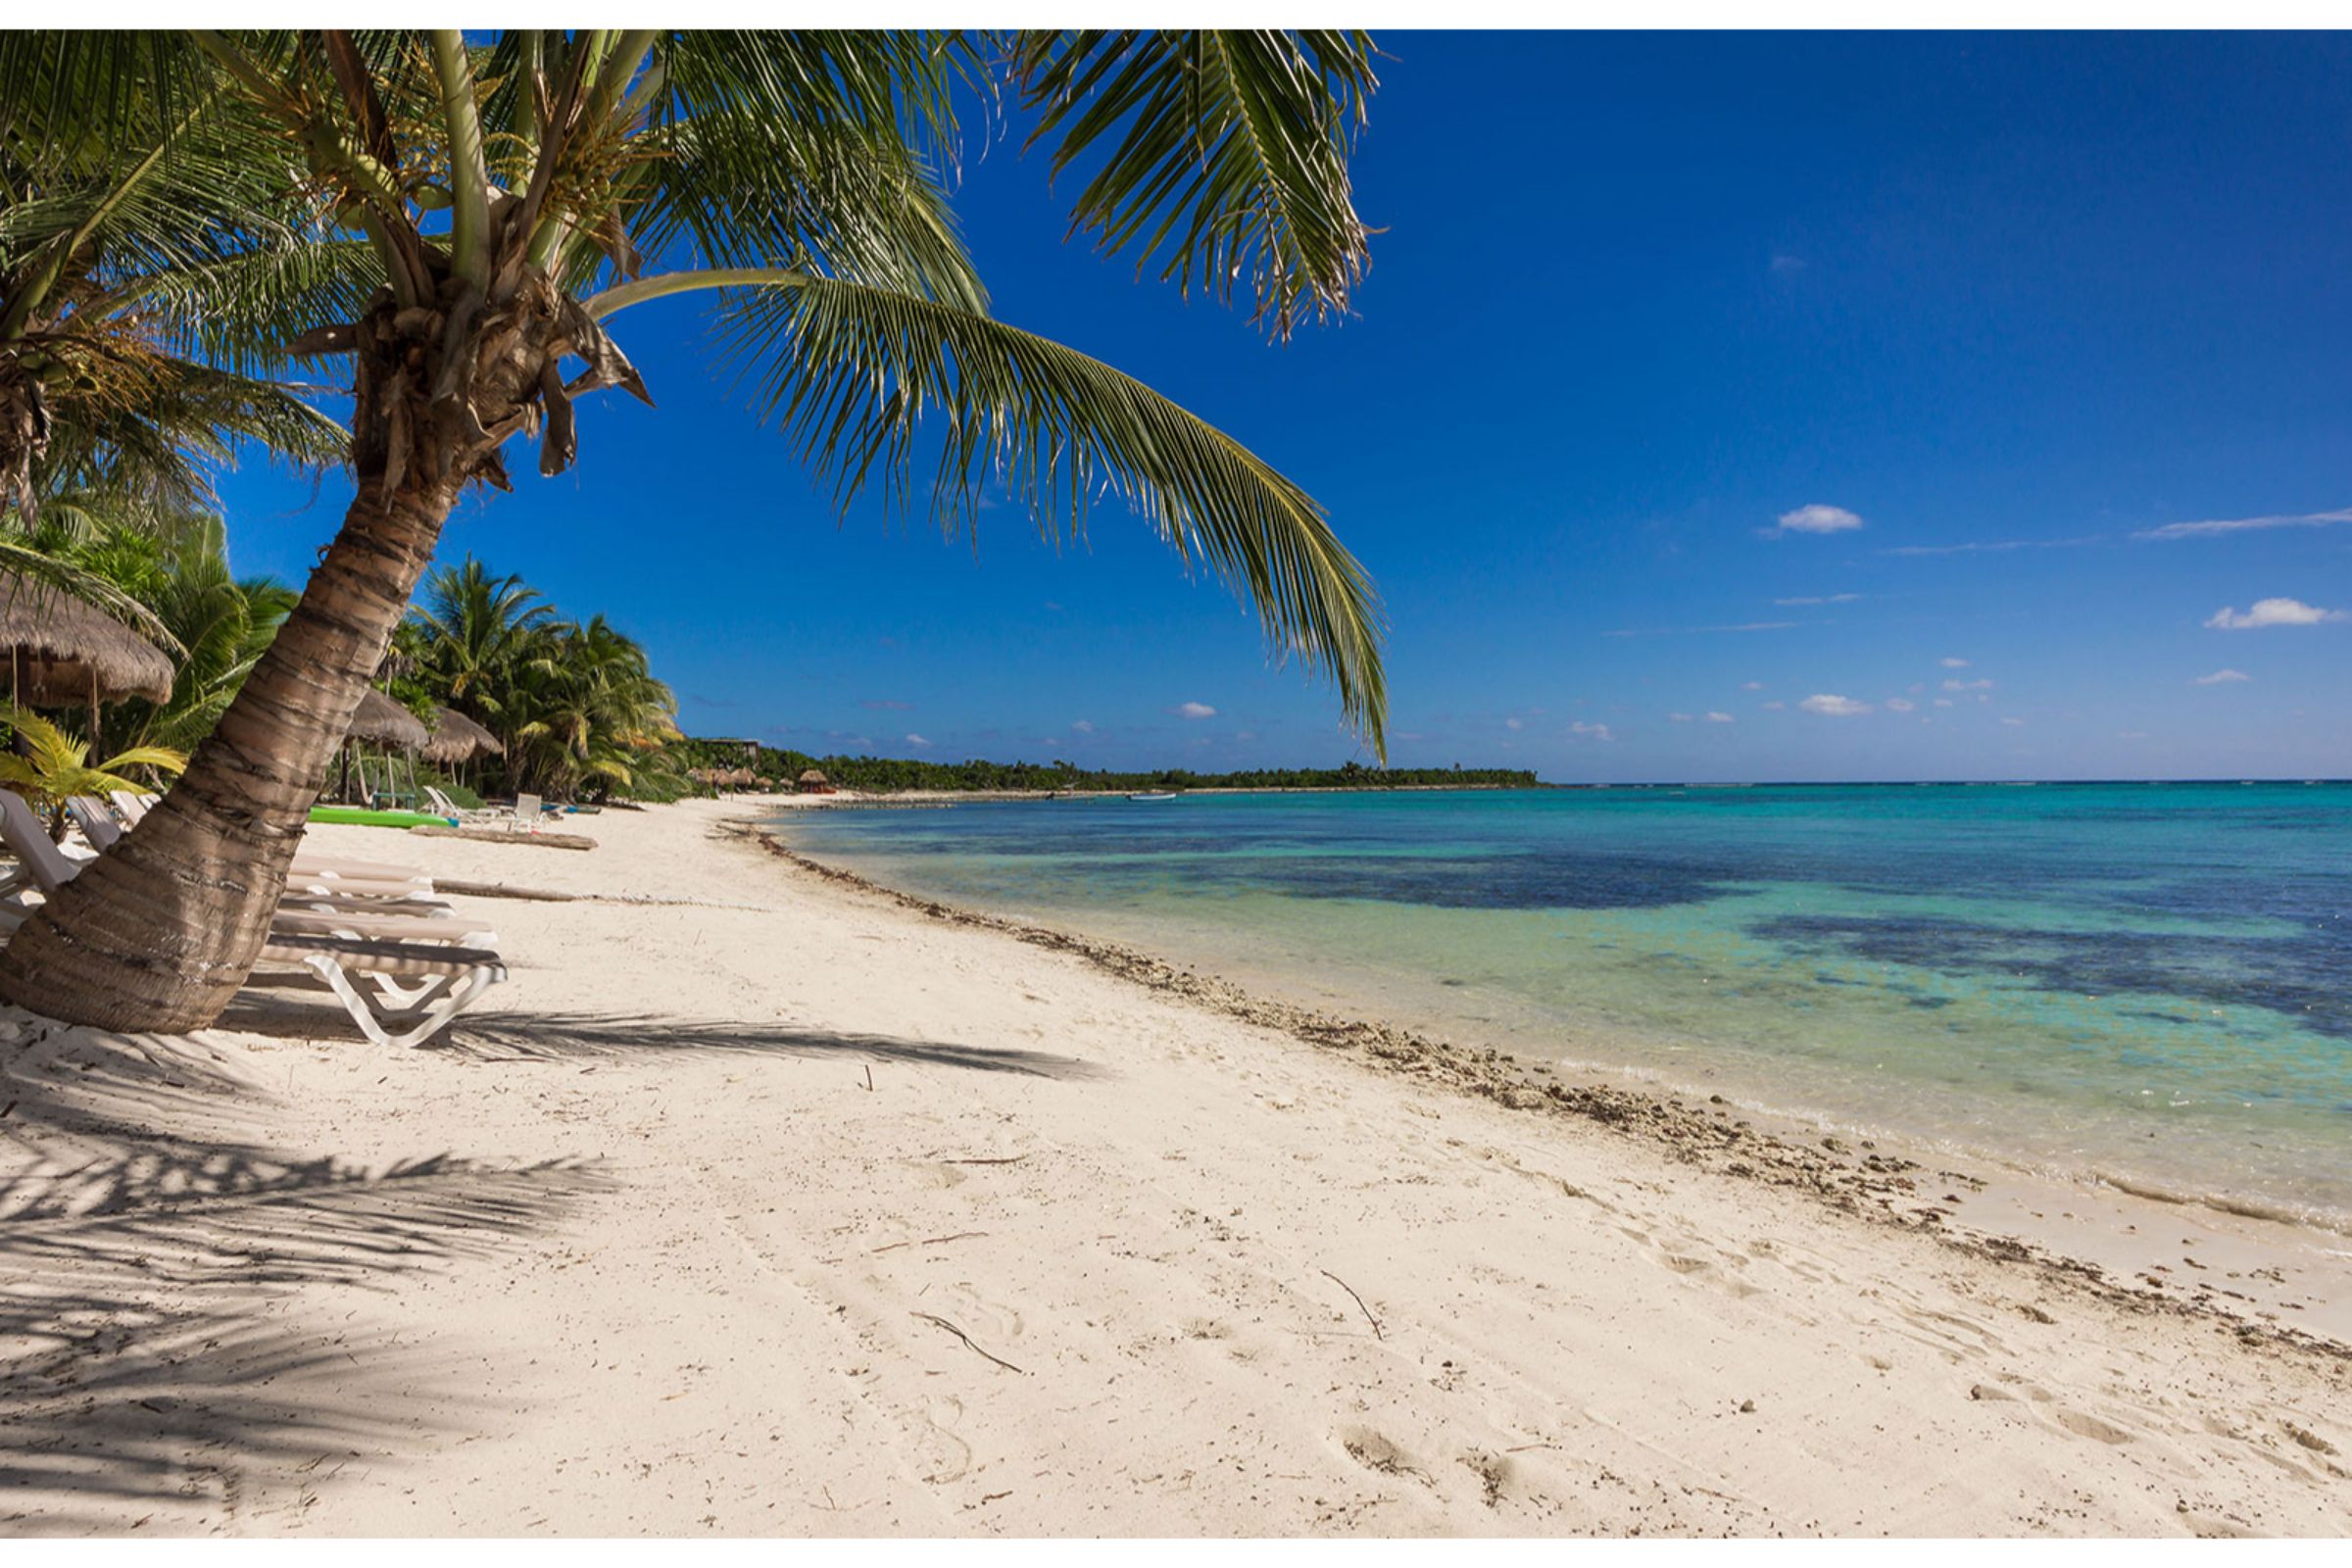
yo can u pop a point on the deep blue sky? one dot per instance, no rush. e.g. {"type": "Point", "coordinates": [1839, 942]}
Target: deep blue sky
{"type": "Point", "coordinates": [2011, 302]}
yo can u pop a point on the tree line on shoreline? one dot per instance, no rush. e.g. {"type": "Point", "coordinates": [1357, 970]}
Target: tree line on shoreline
{"type": "Point", "coordinates": [892, 775]}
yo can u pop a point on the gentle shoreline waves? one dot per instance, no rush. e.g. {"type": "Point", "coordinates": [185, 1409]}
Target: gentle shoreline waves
{"type": "Point", "coordinates": [2148, 985]}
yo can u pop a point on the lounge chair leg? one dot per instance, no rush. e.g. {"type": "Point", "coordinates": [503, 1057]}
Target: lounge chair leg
{"type": "Point", "coordinates": [408, 999]}
{"type": "Point", "coordinates": [459, 995]}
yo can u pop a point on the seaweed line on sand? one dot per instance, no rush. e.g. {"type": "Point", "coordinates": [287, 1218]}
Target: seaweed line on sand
{"type": "Point", "coordinates": [1866, 1185]}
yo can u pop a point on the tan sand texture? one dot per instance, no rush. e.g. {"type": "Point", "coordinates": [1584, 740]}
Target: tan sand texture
{"type": "Point", "coordinates": [756, 1203]}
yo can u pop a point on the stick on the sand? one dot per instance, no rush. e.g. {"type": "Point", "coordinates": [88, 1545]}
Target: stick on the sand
{"type": "Point", "coordinates": [932, 1317]}
{"type": "Point", "coordinates": [1359, 1302]}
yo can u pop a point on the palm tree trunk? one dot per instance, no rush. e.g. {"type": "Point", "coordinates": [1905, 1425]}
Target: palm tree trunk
{"type": "Point", "coordinates": [159, 932]}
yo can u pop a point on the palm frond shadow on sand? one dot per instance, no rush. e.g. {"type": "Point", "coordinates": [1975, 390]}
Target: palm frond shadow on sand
{"type": "Point", "coordinates": [589, 1036]}
{"type": "Point", "coordinates": [147, 1352]}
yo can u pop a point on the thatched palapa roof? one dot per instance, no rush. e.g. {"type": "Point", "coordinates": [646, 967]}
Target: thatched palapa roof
{"type": "Point", "coordinates": [384, 721]}
{"type": "Point", "coordinates": [457, 738]}
{"type": "Point", "coordinates": [54, 647]}
{"type": "Point", "coordinates": [813, 776]}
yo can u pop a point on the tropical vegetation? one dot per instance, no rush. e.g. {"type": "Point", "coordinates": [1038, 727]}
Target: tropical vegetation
{"type": "Point", "coordinates": [49, 768]}
{"type": "Point", "coordinates": [891, 774]}
{"type": "Point", "coordinates": [574, 703]}
{"type": "Point", "coordinates": [461, 218]}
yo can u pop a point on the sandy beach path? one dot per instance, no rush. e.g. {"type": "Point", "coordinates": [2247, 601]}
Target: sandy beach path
{"type": "Point", "coordinates": [767, 1207]}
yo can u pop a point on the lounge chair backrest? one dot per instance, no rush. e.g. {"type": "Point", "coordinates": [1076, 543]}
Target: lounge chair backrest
{"type": "Point", "coordinates": [30, 842]}
{"type": "Point", "coordinates": [526, 810]}
{"type": "Point", "coordinates": [130, 804]}
{"type": "Point", "coordinates": [442, 804]}
{"type": "Point", "coordinates": [97, 824]}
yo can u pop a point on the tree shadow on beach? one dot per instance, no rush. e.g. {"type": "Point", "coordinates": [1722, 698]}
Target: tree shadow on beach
{"type": "Point", "coordinates": [152, 1345]}
{"type": "Point", "coordinates": [586, 1036]}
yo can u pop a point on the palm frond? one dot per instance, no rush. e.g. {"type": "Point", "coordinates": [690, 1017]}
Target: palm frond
{"type": "Point", "coordinates": [849, 370]}
{"type": "Point", "coordinates": [1227, 151]}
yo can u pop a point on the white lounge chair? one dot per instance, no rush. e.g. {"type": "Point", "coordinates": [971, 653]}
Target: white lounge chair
{"type": "Point", "coordinates": [419, 986]}
{"type": "Point", "coordinates": [378, 878]}
{"type": "Point", "coordinates": [443, 806]}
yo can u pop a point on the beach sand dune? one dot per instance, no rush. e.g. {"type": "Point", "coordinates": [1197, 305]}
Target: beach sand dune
{"type": "Point", "coordinates": [757, 1205]}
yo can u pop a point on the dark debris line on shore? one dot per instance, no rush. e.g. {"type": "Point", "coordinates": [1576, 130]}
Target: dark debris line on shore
{"type": "Point", "coordinates": [1868, 1186]}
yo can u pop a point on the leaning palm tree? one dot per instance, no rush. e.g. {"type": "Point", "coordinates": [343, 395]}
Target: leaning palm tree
{"type": "Point", "coordinates": [793, 179]}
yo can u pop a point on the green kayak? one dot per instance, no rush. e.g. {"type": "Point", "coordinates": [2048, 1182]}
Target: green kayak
{"type": "Point", "coordinates": [360, 816]}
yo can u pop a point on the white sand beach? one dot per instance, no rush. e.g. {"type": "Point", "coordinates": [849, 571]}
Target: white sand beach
{"type": "Point", "coordinates": [757, 1203]}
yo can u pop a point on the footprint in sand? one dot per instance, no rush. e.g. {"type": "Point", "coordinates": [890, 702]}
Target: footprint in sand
{"type": "Point", "coordinates": [2085, 1425]}
{"type": "Point", "coordinates": [1376, 1452]}
{"type": "Point", "coordinates": [1494, 1471]}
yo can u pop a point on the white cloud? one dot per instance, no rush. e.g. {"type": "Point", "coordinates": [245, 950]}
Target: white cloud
{"type": "Point", "coordinates": [1599, 732]}
{"type": "Point", "coordinates": [2202, 530]}
{"type": "Point", "coordinates": [916, 740]}
{"type": "Point", "coordinates": [1514, 723]}
{"type": "Point", "coordinates": [1994, 545]}
{"type": "Point", "coordinates": [1900, 705]}
{"type": "Point", "coordinates": [1832, 705]}
{"type": "Point", "coordinates": [1953, 664]}
{"type": "Point", "coordinates": [1751, 685]}
{"type": "Point", "coordinates": [1775, 707]}
{"type": "Point", "coordinates": [1679, 719]}
{"type": "Point", "coordinates": [1967, 685]}
{"type": "Point", "coordinates": [2272, 613]}
{"type": "Point", "coordinates": [1193, 711]}
{"type": "Point", "coordinates": [1693, 631]}
{"type": "Point", "coordinates": [1943, 702]}
{"type": "Point", "coordinates": [1820, 599]}
{"type": "Point", "coordinates": [2014, 723]}
{"type": "Point", "coordinates": [1715, 716]}
{"type": "Point", "coordinates": [1817, 518]}
{"type": "Point", "coordinates": [1083, 727]}
{"type": "Point", "coordinates": [2222, 677]}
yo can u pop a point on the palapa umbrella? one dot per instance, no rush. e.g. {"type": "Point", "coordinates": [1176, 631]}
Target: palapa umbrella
{"type": "Point", "coordinates": [458, 739]}
{"type": "Point", "coordinates": [386, 724]}
{"type": "Point", "coordinates": [63, 653]}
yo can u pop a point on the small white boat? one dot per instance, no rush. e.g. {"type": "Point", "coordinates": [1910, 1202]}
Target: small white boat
{"type": "Point", "coordinates": [1153, 794]}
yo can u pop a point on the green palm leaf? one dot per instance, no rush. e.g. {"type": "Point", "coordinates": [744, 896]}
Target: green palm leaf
{"type": "Point", "coordinates": [1226, 150]}
{"type": "Point", "coordinates": [849, 370]}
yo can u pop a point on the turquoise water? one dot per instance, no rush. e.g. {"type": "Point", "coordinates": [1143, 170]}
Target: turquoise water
{"type": "Point", "coordinates": [2149, 982]}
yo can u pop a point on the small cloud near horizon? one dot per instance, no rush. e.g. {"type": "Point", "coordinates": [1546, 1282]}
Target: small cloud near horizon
{"type": "Point", "coordinates": [1953, 664]}
{"type": "Point", "coordinates": [2270, 612]}
{"type": "Point", "coordinates": [1751, 685]}
{"type": "Point", "coordinates": [1688, 631]}
{"type": "Point", "coordinates": [1819, 599]}
{"type": "Point", "coordinates": [2014, 723]}
{"type": "Point", "coordinates": [1832, 705]}
{"type": "Point", "coordinates": [1900, 705]}
{"type": "Point", "coordinates": [1193, 711]}
{"type": "Point", "coordinates": [1776, 707]}
{"type": "Point", "coordinates": [1599, 732]}
{"type": "Point", "coordinates": [1814, 517]}
{"type": "Point", "coordinates": [1718, 716]}
{"type": "Point", "coordinates": [2222, 525]}
{"type": "Point", "coordinates": [914, 739]}
{"type": "Point", "coordinates": [1967, 685]}
{"type": "Point", "coordinates": [1514, 723]}
{"type": "Point", "coordinates": [1679, 719]}
{"type": "Point", "coordinates": [1993, 546]}
{"type": "Point", "coordinates": [1084, 727]}
{"type": "Point", "coordinates": [886, 705]}
{"type": "Point", "coordinates": [2222, 677]}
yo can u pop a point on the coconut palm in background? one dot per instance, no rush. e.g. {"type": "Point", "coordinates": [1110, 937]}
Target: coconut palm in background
{"type": "Point", "coordinates": [218, 624]}
{"type": "Point", "coordinates": [575, 704]}
{"type": "Point", "coordinates": [507, 201]}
